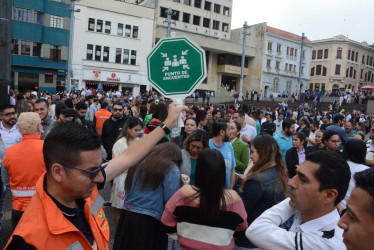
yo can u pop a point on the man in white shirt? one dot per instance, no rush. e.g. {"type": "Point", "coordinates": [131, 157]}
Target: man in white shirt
{"type": "Point", "coordinates": [278, 124]}
{"type": "Point", "coordinates": [320, 183]}
{"type": "Point", "coordinates": [247, 133]}
{"type": "Point", "coordinates": [311, 139]}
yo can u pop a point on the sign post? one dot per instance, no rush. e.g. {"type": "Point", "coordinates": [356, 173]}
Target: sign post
{"type": "Point", "coordinates": [176, 67]}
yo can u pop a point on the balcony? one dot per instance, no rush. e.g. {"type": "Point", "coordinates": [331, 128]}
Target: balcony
{"type": "Point", "coordinates": [230, 69]}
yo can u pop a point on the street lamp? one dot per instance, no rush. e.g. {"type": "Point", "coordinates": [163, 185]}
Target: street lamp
{"type": "Point", "coordinates": [243, 60]}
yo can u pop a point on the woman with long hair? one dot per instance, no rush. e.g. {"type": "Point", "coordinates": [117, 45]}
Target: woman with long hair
{"type": "Point", "coordinates": [148, 187]}
{"type": "Point", "coordinates": [354, 152]}
{"type": "Point", "coordinates": [206, 215]}
{"type": "Point", "coordinates": [266, 183]}
{"type": "Point", "coordinates": [241, 150]}
{"type": "Point", "coordinates": [318, 139]}
{"type": "Point", "coordinates": [193, 145]}
{"type": "Point", "coordinates": [135, 107]}
{"type": "Point", "coordinates": [190, 125]}
{"type": "Point", "coordinates": [128, 135]}
{"type": "Point", "coordinates": [296, 155]}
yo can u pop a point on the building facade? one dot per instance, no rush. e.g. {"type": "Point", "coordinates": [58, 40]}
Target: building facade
{"type": "Point", "coordinates": [40, 39]}
{"type": "Point", "coordinates": [281, 63]}
{"type": "Point", "coordinates": [111, 42]}
{"type": "Point", "coordinates": [339, 63]}
{"type": "Point", "coordinates": [208, 23]}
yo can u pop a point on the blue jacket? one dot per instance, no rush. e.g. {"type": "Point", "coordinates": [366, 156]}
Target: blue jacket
{"type": "Point", "coordinates": [152, 202]}
{"type": "Point", "coordinates": [261, 192]}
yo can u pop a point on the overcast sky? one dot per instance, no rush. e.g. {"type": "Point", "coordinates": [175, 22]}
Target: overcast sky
{"type": "Point", "coordinates": [318, 19]}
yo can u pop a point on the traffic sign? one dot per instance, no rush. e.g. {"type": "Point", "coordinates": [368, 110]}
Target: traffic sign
{"type": "Point", "coordinates": [176, 67]}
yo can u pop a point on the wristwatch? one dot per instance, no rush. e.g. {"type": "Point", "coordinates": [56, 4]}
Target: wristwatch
{"type": "Point", "coordinates": [166, 129]}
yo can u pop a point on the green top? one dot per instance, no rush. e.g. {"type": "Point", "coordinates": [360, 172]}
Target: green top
{"type": "Point", "coordinates": [147, 119]}
{"type": "Point", "coordinates": [193, 171]}
{"type": "Point", "coordinates": [258, 126]}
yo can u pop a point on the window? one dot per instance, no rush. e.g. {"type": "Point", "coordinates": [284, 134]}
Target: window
{"type": "Point", "coordinates": [322, 87]}
{"type": "Point", "coordinates": [128, 30]}
{"type": "Point", "coordinates": [175, 15]}
{"type": "Point", "coordinates": [23, 15]}
{"type": "Point", "coordinates": [99, 25]}
{"type": "Point", "coordinates": [302, 69]}
{"type": "Point", "coordinates": [268, 63]}
{"type": "Point", "coordinates": [36, 49]}
{"type": "Point", "coordinates": [107, 27]}
{"type": "Point", "coordinates": [55, 53]}
{"type": "Point", "coordinates": [196, 20]}
{"type": "Point", "coordinates": [91, 24]}
{"type": "Point", "coordinates": [319, 54]}
{"type": "Point", "coordinates": [313, 54]}
{"type": "Point", "coordinates": [324, 71]}
{"type": "Point", "coordinates": [337, 69]}
{"type": "Point", "coordinates": [371, 61]}
{"type": "Point", "coordinates": [98, 53]}
{"type": "Point", "coordinates": [349, 54]}
{"type": "Point", "coordinates": [126, 54]}
{"type": "Point", "coordinates": [217, 8]}
{"type": "Point", "coordinates": [207, 5]}
{"type": "Point", "coordinates": [89, 53]}
{"type": "Point", "coordinates": [60, 80]}
{"type": "Point", "coordinates": [14, 47]}
{"type": "Point", "coordinates": [270, 46]}
{"type": "Point", "coordinates": [186, 18]}
{"type": "Point", "coordinates": [290, 67]}
{"type": "Point", "coordinates": [120, 29]}
{"type": "Point", "coordinates": [294, 68]}
{"type": "Point", "coordinates": [291, 52]}
{"type": "Point", "coordinates": [163, 12]}
{"type": "Point", "coordinates": [226, 11]}
{"type": "Point", "coordinates": [206, 22]}
{"type": "Point", "coordinates": [356, 59]}
{"type": "Point", "coordinates": [118, 55]}
{"type": "Point", "coordinates": [187, 2]}
{"type": "Point", "coordinates": [316, 87]}
{"type": "Point", "coordinates": [135, 31]}
{"type": "Point", "coordinates": [215, 25]}
{"type": "Point", "coordinates": [311, 86]}
{"type": "Point", "coordinates": [326, 54]}
{"type": "Point", "coordinates": [225, 27]}
{"type": "Point", "coordinates": [312, 71]}
{"type": "Point", "coordinates": [286, 67]}
{"type": "Point", "coordinates": [57, 22]}
{"type": "Point", "coordinates": [133, 57]}
{"type": "Point", "coordinates": [354, 74]}
{"type": "Point", "coordinates": [361, 74]}
{"type": "Point", "coordinates": [347, 73]}
{"type": "Point", "coordinates": [352, 56]}
{"type": "Point", "coordinates": [48, 77]}
{"type": "Point", "coordinates": [38, 17]}
{"type": "Point", "coordinates": [106, 54]}
{"type": "Point", "coordinates": [303, 54]}
{"type": "Point", "coordinates": [295, 52]}
{"type": "Point", "coordinates": [197, 3]}
{"type": "Point", "coordinates": [318, 70]}
{"type": "Point", "coordinates": [363, 59]}
{"type": "Point", "coordinates": [279, 48]}
{"type": "Point", "coordinates": [367, 59]}
{"type": "Point", "coordinates": [25, 48]}
{"type": "Point", "coordinates": [277, 64]}
{"type": "Point", "coordinates": [339, 53]}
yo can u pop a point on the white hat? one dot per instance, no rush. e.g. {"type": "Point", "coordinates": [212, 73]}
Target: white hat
{"type": "Point", "coordinates": [34, 93]}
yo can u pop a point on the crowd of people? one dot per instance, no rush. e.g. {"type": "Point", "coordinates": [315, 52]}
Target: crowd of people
{"type": "Point", "coordinates": [234, 177]}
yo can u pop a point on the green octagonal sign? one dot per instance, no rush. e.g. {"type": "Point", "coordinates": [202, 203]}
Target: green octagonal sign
{"type": "Point", "coordinates": [176, 67]}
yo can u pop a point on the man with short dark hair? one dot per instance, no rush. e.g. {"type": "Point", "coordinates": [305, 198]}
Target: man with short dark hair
{"type": "Point", "coordinates": [41, 107]}
{"type": "Point", "coordinates": [81, 107]}
{"type": "Point", "coordinates": [268, 126]}
{"type": "Point", "coordinates": [127, 110]}
{"type": "Point", "coordinates": [201, 119]}
{"type": "Point", "coordinates": [303, 127]}
{"type": "Point", "coordinates": [284, 139]}
{"type": "Point", "coordinates": [247, 133]}
{"type": "Point", "coordinates": [112, 127]}
{"type": "Point", "coordinates": [320, 183]}
{"type": "Point", "coordinates": [220, 141]}
{"type": "Point", "coordinates": [66, 210]}
{"type": "Point", "coordinates": [349, 132]}
{"type": "Point", "coordinates": [325, 122]}
{"type": "Point", "coordinates": [358, 220]}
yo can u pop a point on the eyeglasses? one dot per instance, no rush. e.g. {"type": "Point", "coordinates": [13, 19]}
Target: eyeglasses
{"type": "Point", "coordinates": [92, 173]}
{"type": "Point", "coordinates": [9, 114]}
{"type": "Point", "coordinates": [335, 141]}
{"type": "Point", "coordinates": [119, 110]}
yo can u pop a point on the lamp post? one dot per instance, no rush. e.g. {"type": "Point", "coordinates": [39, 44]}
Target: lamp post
{"type": "Point", "coordinates": [71, 38]}
{"type": "Point", "coordinates": [243, 60]}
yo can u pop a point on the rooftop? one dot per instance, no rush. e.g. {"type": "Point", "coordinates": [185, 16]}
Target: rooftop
{"type": "Point", "coordinates": [286, 34]}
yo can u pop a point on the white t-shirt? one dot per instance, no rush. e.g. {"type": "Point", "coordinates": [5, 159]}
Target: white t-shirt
{"type": "Point", "coordinates": [312, 136]}
{"type": "Point", "coordinates": [278, 126]}
{"type": "Point", "coordinates": [248, 130]}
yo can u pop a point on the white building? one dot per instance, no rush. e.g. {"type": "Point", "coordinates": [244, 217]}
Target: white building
{"type": "Point", "coordinates": [111, 42]}
{"type": "Point", "coordinates": [282, 62]}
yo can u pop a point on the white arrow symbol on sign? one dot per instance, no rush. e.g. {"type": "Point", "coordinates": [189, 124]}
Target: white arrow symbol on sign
{"type": "Point", "coordinates": [164, 54]}
{"type": "Point", "coordinates": [184, 53]}
{"type": "Point", "coordinates": [186, 67]}
{"type": "Point", "coordinates": [165, 69]}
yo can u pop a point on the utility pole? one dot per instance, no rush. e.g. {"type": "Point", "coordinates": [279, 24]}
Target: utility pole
{"type": "Point", "coordinates": [168, 21]}
{"type": "Point", "coordinates": [243, 60]}
{"type": "Point", "coordinates": [71, 38]}
{"type": "Point", "coordinates": [301, 64]}
{"type": "Point", "coordinates": [5, 58]}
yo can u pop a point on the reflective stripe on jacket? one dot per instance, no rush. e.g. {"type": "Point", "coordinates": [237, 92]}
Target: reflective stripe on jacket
{"type": "Point", "coordinates": [101, 116]}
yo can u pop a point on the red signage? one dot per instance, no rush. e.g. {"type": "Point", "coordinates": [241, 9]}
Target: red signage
{"type": "Point", "coordinates": [113, 78]}
{"type": "Point", "coordinates": [96, 73]}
